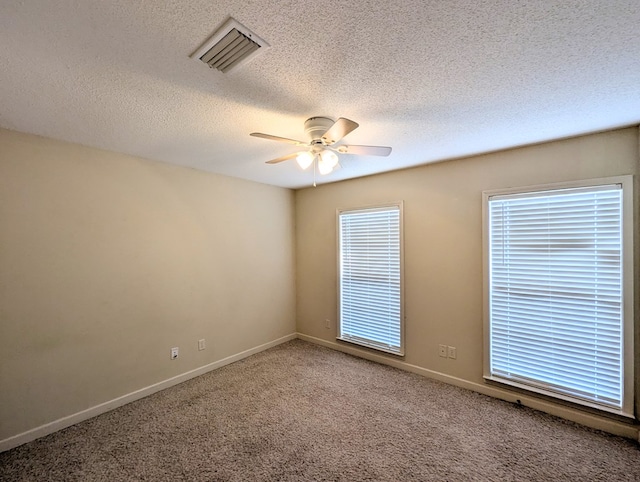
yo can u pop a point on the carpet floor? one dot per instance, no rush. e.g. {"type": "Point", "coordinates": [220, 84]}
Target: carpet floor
{"type": "Point", "coordinates": [299, 412]}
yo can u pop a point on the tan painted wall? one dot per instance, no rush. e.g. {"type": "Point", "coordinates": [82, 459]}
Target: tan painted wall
{"type": "Point", "coordinates": [107, 261]}
{"type": "Point", "coordinates": [442, 239]}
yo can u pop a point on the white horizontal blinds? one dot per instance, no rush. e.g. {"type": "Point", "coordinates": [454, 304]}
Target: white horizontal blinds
{"type": "Point", "coordinates": [370, 278]}
{"type": "Point", "coordinates": [556, 291]}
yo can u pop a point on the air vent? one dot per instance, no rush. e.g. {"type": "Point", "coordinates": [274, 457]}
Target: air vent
{"type": "Point", "coordinates": [230, 46]}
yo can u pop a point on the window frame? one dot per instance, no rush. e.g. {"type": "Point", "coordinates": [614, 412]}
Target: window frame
{"type": "Point", "coordinates": [628, 395]}
{"type": "Point", "coordinates": [399, 205]}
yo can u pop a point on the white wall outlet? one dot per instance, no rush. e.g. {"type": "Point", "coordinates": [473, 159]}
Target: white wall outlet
{"type": "Point", "coordinates": [327, 323]}
{"type": "Point", "coordinates": [442, 351]}
{"type": "Point", "coordinates": [451, 352]}
{"type": "Point", "coordinates": [201, 344]}
{"type": "Point", "coordinates": [174, 353]}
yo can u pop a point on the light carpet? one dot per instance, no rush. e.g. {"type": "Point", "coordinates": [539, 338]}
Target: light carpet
{"type": "Point", "coordinates": [299, 412]}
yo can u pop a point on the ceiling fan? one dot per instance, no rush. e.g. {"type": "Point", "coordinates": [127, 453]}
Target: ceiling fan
{"type": "Point", "coordinates": [323, 133]}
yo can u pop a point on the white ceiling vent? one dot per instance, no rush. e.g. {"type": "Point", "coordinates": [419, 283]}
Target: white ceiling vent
{"type": "Point", "coordinates": [230, 46]}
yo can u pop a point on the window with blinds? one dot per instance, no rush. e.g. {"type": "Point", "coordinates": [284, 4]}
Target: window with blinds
{"type": "Point", "coordinates": [370, 274]}
{"type": "Point", "coordinates": [556, 293]}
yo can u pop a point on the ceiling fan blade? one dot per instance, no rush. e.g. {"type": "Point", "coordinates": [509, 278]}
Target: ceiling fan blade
{"type": "Point", "coordinates": [279, 139]}
{"type": "Point", "coordinates": [365, 150]}
{"type": "Point", "coordinates": [338, 130]}
{"type": "Point", "coordinates": [283, 158]}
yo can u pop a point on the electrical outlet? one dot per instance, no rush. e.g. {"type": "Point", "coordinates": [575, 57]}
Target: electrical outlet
{"type": "Point", "coordinates": [442, 351]}
{"type": "Point", "coordinates": [201, 344]}
{"type": "Point", "coordinates": [451, 352]}
{"type": "Point", "coordinates": [174, 353]}
{"type": "Point", "coordinates": [327, 323]}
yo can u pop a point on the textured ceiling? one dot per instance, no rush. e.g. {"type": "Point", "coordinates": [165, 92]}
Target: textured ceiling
{"type": "Point", "coordinates": [435, 80]}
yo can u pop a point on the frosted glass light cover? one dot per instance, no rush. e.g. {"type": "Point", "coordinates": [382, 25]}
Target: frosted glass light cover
{"type": "Point", "coordinates": [330, 158]}
{"type": "Point", "coordinates": [324, 167]}
{"type": "Point", "coordinates": [304, 159]}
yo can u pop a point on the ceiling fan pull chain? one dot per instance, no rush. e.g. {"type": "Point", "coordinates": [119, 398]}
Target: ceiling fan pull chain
{"type": "Point", "coordinates": [314, 171]}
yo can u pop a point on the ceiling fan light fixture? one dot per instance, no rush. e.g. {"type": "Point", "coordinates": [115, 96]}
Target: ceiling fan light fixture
{"type": "Point", "coordinates": [323, 167]}
{"type": "Point", "coordinates": [322, 153]}
{"type": "Point", "coordinates": [305, 159]}
{"type": "Point", "coordinates": [329, 158]}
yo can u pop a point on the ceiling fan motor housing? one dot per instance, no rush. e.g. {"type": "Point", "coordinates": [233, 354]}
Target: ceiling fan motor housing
{"type": "Point", "coordinates": [315, 127]}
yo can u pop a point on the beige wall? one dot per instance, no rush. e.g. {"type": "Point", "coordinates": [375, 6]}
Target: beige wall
{"type": "Point", "coordinates": [442, 239]}
{"type": "Point", "coordinates": [108, 261]}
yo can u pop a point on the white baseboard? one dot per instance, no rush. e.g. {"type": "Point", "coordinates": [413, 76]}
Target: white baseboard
{"type": "Point", "coordinates": [593, 421]}
{"type": "Point", "coordinates": [91, 412]}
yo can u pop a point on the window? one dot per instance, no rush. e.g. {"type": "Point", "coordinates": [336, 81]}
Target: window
{"type": "Point", "coordinates": [370, 277]}
{"type": "Point", "coordinates": [559, 290]}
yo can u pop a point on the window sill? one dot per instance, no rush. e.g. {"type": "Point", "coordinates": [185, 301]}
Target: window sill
{"type": "Point", "coordinates": [367, 344]}
{"type": "Point", "coordinates": [551, 396]}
